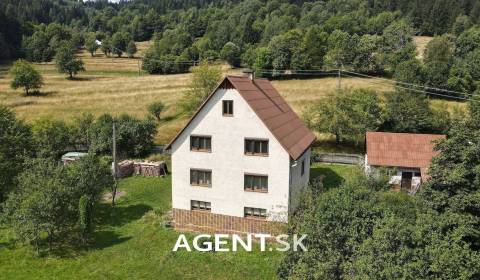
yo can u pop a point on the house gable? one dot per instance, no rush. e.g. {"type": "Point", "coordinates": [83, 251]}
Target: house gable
{"type": "Point", "coordinates": [272, 110]}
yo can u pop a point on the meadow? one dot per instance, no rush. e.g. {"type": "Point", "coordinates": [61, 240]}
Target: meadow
{"type": "Point", "coordinates": [117, 85]}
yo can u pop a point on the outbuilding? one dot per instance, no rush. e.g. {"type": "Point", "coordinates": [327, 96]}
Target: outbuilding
{"type": "Point", "coordinates": [410, 155]}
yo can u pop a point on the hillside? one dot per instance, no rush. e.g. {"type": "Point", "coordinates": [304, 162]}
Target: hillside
{"type": "Point", "coordinates": [114, 86]}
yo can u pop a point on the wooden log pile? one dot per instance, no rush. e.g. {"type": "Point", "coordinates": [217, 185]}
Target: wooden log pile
{"type": "Point", "coordinates": [150, 168]}
{"type": "Point", "coordinates": [125, 168]}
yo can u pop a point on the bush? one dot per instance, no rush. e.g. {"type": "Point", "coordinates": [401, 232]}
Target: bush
{"type": "Point", "coordinates": [134, 136]}
{"type": "Point", "coordinates": [51, 137]}
{"type": "Point", "coordinates": [155, 109]}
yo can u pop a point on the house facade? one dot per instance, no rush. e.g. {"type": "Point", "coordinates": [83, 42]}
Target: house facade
{"type": "Point", "coordinates": [241, 161]}
{"type": "Point", "coordinates": [408, 155]}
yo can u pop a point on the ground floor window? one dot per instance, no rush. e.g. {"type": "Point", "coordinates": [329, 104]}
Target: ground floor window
{"type": "Point", "coordinates": [200, 205]}
{"type": "Point", "coordinates": [251, 212]}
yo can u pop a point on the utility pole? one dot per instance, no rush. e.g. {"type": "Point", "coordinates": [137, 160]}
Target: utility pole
{"type": "Point", "coordinates": [339, 86]}
{"type": "Point", "coordinates": [139, 67]}
{"type": "Point", "coordinates": [115, 164]}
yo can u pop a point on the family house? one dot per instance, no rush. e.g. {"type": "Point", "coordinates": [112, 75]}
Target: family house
{"type": "Point", "coordinates": [241, 160]}
{"type": "Point", "coordinates": [409, 154]}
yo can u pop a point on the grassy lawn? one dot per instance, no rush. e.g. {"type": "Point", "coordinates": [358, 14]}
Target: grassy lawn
{"type": "Point", "coordinates": [334, 174]}
{"type": "Point", "coordinates": [131, 243]}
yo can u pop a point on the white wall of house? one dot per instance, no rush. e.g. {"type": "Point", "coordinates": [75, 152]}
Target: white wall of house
{"type": "Point", "coordinates": [228, 162]}
{"type": "Point", "coordinates": [297, 180]}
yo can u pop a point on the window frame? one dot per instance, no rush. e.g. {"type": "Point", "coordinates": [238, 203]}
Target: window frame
{"type": "Point", "coordinates": [200, 209]}
{"type": "Point", "coordinates": [229, 105]}
{"type": "Point", "coordinates": [200, 170]}
{"type": "Point", "coordinates": [261, 216]}
{"type": "Point", "coordinates": [200, 137]}
{"type": "Point", "coordinates": [254, 141]}
{"type": "Point", "coordinates": [261, 189]}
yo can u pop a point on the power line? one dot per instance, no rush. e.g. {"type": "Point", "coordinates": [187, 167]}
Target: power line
{"type": "Point", "coordinates": [425, 89]}
{"type": "Point", "coordinates": [421, 91]}
{"type": "Point", "coordinates": [409, 84]}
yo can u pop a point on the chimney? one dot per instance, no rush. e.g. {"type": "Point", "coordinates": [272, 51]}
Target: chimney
{"type": "Point", "coordinates": [249, 73]}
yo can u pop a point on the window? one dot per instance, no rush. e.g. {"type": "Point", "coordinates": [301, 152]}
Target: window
{"type": "Point", "coordinates": [200, 177]}
{"type": "Point", "coordinates": [227, 107]}
{"type": "Point", "coordinates": [258, 213]}
{"type": "Point", "coordinates": [418, 174]}
{"type": "Point", "coordinates": [303, 167]}
{"type": "Point", "coordinates": [201, 143]}
{"type": "Point", "coordinates": [256, 147]}
{"type": "Point", "coordinates": [200, 205]}
{"type": "Point", "coordinates": [255, 183]}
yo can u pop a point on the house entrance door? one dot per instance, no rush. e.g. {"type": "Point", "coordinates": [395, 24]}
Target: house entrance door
{"type": "Point", "coordinates": [407, 180]}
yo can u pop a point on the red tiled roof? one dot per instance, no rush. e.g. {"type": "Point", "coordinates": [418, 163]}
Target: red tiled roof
{"type": "Point", "coordinates": [401, 149]}
{"type": "Point", "coordinates": [274, 112]}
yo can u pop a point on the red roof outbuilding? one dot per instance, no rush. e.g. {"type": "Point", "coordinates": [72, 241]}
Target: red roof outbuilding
{"type": "Point", "coordinates": [401, 150]}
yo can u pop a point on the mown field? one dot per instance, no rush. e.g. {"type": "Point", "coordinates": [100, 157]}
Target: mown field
{"type": "Point", "coordinates": [116, 86]}
{"type": "Point", "coordinates": [131, 242]}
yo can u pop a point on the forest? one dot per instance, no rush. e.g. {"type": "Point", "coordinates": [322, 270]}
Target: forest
{"type": "Point", "coordinates": [365, 36]}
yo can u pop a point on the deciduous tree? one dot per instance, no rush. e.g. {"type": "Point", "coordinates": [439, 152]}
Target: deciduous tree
{"type": "Point", "coordinates": [24, 75]}
{"type": "Point", "coordinates": [231, 53]}
{"type": "Point", "coordinates": [66, 61]}
{"type": "Point", "coordinates": [91, 43]}
{"type": "Point", "coordinates": [131, 49]}
{"type": "Point", "coordinates": [205, 78]}
{"type": "Point", "coordinates": [347, 114]}
{"type": "Point", "coordinates": [15, 147]}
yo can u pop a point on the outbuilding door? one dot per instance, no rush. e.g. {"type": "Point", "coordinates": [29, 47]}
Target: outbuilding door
{"type": "Point", "coordinates": [407, 180]}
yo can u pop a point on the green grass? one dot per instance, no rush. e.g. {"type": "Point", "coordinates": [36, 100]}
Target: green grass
{"type": "Point", "coordinates": [334, 174]}
{"type": "Point", "coordinates": [132, 243]}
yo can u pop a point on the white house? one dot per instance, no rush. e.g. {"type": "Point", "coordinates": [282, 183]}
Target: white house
{"type": "Point", "coordinates": [240, 161]}
{"type": "Point", "coordinates": [410, 155]}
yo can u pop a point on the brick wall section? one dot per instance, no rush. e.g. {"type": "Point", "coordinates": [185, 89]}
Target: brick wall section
{"type": "Point", "coordinates": [216, 223]}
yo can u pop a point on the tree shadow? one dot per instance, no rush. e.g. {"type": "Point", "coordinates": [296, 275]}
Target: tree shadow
{"type": "Point", "coordinates": [120, 215]}
{"type": "Point", "coordinates": [73, 248]}
{"type": "Point", "coordinates": [81, 79]}
{"type": "Point", "coordinates": [41, 93]}
{"type": "Point", "coordinates": [331, 179]}
{"type": "Point", "coordinates": [107, 238]}
{"type": "Point", "coordinates": [7, 245]}
{"type": "Point", "coordinates": [168, 118]}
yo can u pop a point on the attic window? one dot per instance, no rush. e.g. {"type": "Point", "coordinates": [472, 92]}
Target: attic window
{"type": "Point", "coordinates": [228, 108]}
